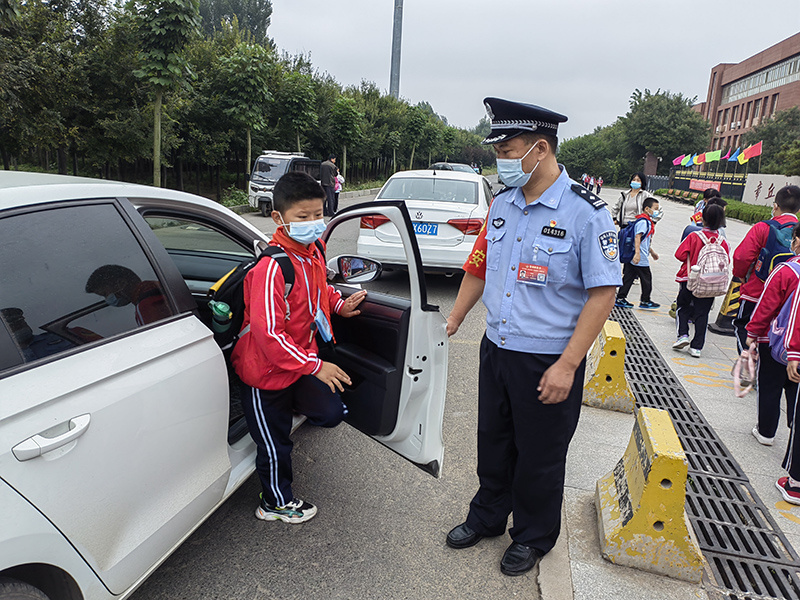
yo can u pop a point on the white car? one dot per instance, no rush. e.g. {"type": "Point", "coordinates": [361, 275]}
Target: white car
{"type": "Point", "coordinates": [121, 432]}
{"type": "Point", "coordinates": [447, 209]}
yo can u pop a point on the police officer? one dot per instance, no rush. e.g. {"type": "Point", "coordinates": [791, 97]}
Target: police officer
{"type": "Point", "coordinates": [546, 267]}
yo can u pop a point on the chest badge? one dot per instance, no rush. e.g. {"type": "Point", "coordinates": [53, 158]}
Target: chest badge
{"type": "Point", "coordinates": [609, 245]}
{"type": "Point", "coordinates": [553, 223]}
{"type": "Point", "coordinates": [554, 231]}
{"type": "Point", "coordinates": [498, 222]}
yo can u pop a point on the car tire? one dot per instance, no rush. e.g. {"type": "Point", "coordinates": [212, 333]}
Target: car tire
{"type": "Point", "coordinates": [266, 209]}
{"type": "Point", "coordinates": [11, 589]}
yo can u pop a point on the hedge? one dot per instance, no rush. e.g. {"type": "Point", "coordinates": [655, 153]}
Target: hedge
{"type": "Point", "coordinates": [736, 209]}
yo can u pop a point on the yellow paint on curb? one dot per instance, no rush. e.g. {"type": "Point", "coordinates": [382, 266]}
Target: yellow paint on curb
{"type": "Point", "coordinates": [605, 385]}
{"type": "Point", "coordinates": [640, 504]}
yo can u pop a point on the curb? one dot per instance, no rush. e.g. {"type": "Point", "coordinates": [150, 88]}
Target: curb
{"type": "Point", "coordinates": [555, 572]}
{"type": "Point", "coordinates": [356, 193]}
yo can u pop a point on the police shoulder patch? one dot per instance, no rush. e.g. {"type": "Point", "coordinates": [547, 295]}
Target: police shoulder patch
{"type": "Point", "coordinates": [609, 245]}
{"type": "Point", "coordinates": [591, 198]}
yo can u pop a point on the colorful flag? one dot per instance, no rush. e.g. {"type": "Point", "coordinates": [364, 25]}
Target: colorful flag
{"type": "Point", "coordinates": [691, 160]}
{"type": "Point", "coordinates": [686, 160]}
{"type": "Point", "coordinates": [728, 155]}
{"type": "Point", "coordinates": [742, 158]}
{"type": "Point", "coordinates": [678, 160]}
{"type": "Point", "coordinates": [735, 155]}
{"type": "Point", "coordinates": [712, 156]}
{"type": "Point", "coordinates": [700, 159]}
{"type": "Point", "coordinates": [753, 151]}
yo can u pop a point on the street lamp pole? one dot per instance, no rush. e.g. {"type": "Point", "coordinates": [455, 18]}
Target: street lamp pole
{"type": "Point", "coordinates": [394, 77]}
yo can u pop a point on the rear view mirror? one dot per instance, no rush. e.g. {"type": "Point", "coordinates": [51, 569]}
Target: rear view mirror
{"type": "Point", "coordinates": [355, 269]}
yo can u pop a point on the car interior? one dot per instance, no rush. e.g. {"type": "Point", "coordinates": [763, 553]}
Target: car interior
{"type": "Point", "coordinates": [370, 347]}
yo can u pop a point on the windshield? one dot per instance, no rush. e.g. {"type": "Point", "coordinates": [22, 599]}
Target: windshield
{"type": "Point", "coordinates": [430, 188]}
{"type": "Point", "coordinates": [269, 169]}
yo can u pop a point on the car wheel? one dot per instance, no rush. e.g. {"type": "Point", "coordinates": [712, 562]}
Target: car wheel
{"type": "Point", "coordinates": [266, 209]}
{"type": "Point", "coordinates": [11, 589]}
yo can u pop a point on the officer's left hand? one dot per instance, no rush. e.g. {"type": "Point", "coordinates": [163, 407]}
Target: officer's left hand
{"type": "Point", "coordinates": [349, 308]}
{"type": "Point", "coordinates": [556, 383]}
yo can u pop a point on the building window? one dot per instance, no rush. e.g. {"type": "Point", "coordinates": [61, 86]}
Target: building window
{"type": "Point", "coordinates": [756, 108]}
{"type": "Point", "coordinates": [774, 104]}
{"type": "Point", "coordinates": [762, 81]}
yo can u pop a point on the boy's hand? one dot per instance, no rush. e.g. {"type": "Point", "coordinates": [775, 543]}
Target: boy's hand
{"type": "Point", "coordinates": [349, 307]}
{"type": "Point", "coordinates": [653, 254]}
{"type": "Point", "coordinates": [636, 257]}
{"type": "Point", "coordinates": [791, 371]}
{"type": "Point", "coordinates": [332, 376]}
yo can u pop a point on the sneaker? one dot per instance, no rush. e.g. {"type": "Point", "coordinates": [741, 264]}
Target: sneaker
{"type": "Point", "coordinates": [296, 511]}
{"type": "Point", "coordinates": [763, 440]}
{"type": "Point", "coordinates": [622, 303]}
{"type": "Point", "coordinates": [790, 494]}
{"type": "Point", "coordinates": [649, 305]}
{"type": "Point", "coordinates": [694, 352]}
{"type": "Point", "coordinates": [682, 342]}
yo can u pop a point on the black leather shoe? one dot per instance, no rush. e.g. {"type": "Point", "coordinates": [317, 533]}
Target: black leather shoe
{"type": "Point", "coordinates": [519, 559]}
{"type": "Point", "coordinates": [463, 537]}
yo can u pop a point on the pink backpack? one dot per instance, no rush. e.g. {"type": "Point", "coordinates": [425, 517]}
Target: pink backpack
{"type": "Point", "coordinates": [711, 275]}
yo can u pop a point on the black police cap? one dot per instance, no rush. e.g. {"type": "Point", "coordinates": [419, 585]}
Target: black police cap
{"type": "Point", "coordinates": [510, 119]}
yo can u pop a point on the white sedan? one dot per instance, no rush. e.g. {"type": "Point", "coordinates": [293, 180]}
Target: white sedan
{"type": "Point", "coordinates": [447, 210]}
{"type": "Point", "coordinates": [121, 428]}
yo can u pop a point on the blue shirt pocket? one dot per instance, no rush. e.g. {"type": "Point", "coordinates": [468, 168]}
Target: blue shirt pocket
{"type": "Point", "coordinates": [555, 254]}
{"type": "Point", "coordinates": [494, 248]}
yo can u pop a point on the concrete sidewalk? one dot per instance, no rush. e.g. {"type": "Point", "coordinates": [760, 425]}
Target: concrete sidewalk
{"type": "Point", "coordinates": [575, 568]}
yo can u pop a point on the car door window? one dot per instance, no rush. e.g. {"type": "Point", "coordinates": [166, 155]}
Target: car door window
{"type": "Point", "coordinates": [71, 276]}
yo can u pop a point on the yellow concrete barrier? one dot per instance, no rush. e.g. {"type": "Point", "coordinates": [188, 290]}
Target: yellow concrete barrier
{"type": "Point", "coordinates": [640, 504]}
{"type": "Point", "coordinates": [728, 311]}
{"type": "Point", "coordinates": [605, 385]}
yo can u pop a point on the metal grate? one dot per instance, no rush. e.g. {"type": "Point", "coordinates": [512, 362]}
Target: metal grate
{"type": "Point", "coordinates": [748, 556]}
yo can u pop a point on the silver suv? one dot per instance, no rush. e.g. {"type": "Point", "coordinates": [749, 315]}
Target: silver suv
{"type": "Point", "coordinates": [268, 168]}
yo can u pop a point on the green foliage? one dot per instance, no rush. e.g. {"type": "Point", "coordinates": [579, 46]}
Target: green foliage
{"type": "Point", "coordinates": [780, 135]}
{"type": "Point", "coordinates": [233, 196]}
{"type": "Point", "coordinates": [297, 102]}
{"type": "Point", "coordinates": [253, 16]}
{"type": "Point", "coordinates": [749, 213]}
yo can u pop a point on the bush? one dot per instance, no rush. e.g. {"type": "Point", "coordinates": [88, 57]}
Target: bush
{"type": "Point", "coordinates": [233, 196]}
{"type": "Point", "coordinates": [749, 213]}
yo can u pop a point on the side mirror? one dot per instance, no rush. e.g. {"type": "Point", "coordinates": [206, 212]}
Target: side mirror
{"type": "Point", "coordinates": [354, 269]}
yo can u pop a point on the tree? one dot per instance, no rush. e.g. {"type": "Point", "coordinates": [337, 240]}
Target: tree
{"type": "Point", "coordinates": [244, 89]}
{"type": "Point", "coordinates": [778, 134]}
{"type": "Point", "coordinates": [165, 26]}
{"type": "Point", "coordinates": [252, 15]}
{"type": "Point", "coordinates": [789, 158]}
{"type": "Point", "coordinates": [664, 124]}
{"type": "Point", "coordinates": [346, 125]}
{"type": "Point", "coordinates": [413, 130]}
{"type": "Point", "coordinates": [296, 100]}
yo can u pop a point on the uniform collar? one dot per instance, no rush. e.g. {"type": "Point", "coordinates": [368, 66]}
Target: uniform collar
{"type": "Point", "coordinates": [550, 198]}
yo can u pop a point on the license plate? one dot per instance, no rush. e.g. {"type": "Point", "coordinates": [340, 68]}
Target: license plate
{"type": "Point", "coordinates": [426, 228]}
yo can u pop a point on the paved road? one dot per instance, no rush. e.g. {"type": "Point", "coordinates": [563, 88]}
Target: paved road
{"type": "Point", "coordinates": [381, 526]}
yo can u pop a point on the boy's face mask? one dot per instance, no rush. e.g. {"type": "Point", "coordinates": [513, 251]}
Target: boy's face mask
{"type": "Point", "coordinates": [304, 232]}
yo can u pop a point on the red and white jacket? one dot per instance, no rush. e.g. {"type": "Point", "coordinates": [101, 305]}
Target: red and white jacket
{"type": "Point", "coordinates": [690, 249]}
{"type": "Point", "coordinates": [779, 286]}
{"type": "Point", "coordinates": [279, 348]}
{"type": "Point", "coordinates": [746, 254]}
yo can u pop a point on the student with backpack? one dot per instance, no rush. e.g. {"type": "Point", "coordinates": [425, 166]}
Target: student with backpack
{"type": "Point", "coordinates": [704, 274]}
{"type": "Point", "coordinates": [635, 246]}
{"type": "Point", "coordinates": [769, 320]}
{"type": "Point", "coordinates": [765, 245]}
{"type": "Point", "coordinates": [276, 354]}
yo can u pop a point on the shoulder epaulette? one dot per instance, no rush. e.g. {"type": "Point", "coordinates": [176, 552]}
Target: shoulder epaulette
{"type": "Point", "coordinates": [591, 198]}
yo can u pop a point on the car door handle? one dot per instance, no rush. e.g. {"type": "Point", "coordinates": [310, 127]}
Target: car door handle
{"type": "Point", "coordinates": [38, 444]}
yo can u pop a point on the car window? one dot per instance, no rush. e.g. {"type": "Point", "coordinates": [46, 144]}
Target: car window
{"type": "Point", "coordinates": [72, 276]}
{"type": "Point", "coordinates": [487, 191]}
{"type": "Point", "coordinates": [309, 167]}
{"type": "Point", "coordinates": [430, 188]}
{"type": "Point", "coordinates": [269, 168]}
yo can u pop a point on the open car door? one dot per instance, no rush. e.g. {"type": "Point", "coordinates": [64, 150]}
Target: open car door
{"type": "Point", "coordinates": [395, 353]}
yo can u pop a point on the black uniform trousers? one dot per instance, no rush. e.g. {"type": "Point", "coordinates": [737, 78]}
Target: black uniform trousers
{"type": "Point", "coordinates": [791, 461]}
{"type": "Point", "coordinates": [773, 382]}
{"type": "Point", "coordinates": [746, 309]}
{"type": "Point", "coordinates": [629, 274]}
{"type": "Point", "coordinates": [522, 447]}
{"type": "Point", "coordinates": [694, 309]}
{"type": "Point", "coordinates": [269, 418]}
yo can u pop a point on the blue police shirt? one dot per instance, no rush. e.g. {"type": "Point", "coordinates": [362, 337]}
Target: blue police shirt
{"type": "Point", "coordinates": [540, 260]}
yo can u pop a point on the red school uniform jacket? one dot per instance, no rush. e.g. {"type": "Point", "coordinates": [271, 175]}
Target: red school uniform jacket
{"type": "Point", "coordinates": [779, 286]}
{"type": "Point", "coordinates": [746, 254]}
{"type": "Point", "coordinates": [280, 347]}
{"type": "Point", "coordinates": [690, 249]}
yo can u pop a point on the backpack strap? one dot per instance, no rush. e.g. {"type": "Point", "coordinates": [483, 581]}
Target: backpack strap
{"type": "Point", "coordinates": [277, 254]}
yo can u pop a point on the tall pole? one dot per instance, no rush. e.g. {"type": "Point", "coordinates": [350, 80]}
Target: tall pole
{"type": "Point", "coordinates": [394, 77]}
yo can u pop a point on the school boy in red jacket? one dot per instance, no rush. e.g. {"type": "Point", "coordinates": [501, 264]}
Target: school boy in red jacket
{"type": "Point", "coordinates": [772, 377]}
{"type": "Point", "coordinates": [691, 307]}
{"type": "Point", "coordinates": [784, 209]}
{"type": "Point", "coordinates": [276, 358]}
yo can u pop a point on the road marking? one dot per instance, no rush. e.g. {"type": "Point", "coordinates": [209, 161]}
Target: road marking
{"type": "Point", "coordinates": [704, 374]}
{"type": "Point", "coordinates": [785, 510]}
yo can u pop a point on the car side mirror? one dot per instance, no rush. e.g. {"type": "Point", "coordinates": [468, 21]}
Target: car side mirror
{"type": "Point", "coordinates": [354, 269]}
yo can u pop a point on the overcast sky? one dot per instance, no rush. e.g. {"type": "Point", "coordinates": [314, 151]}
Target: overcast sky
{"type": "Point", "coordinates": [582, 58]}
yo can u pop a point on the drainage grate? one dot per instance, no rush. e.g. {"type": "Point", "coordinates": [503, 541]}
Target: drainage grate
{"type": "Point", "coordinates": [748, 556]}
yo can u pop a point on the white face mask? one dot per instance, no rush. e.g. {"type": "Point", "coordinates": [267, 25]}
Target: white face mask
{"type": "Point", "coordinates": [510, 170]}
{"type": "Point", "coordinates": [305, 232]}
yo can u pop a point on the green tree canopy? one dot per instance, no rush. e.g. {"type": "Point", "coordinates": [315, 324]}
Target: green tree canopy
{"type": "Point", "coordinates": [779, 134]}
